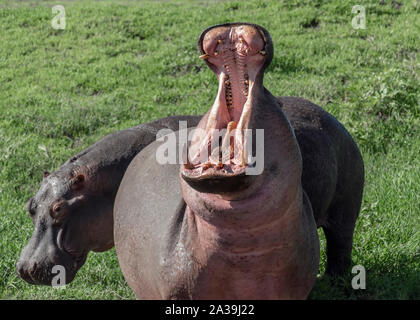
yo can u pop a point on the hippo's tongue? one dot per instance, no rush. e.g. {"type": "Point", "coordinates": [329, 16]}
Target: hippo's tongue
{"type": "Point", "coordinates": [236, 54]}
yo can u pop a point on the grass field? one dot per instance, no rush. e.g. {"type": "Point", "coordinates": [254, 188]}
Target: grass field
{"type": "Point", "coordinates": [123, 63]}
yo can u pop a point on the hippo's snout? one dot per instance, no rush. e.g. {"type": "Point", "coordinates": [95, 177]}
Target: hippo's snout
{"type": "Point", "coordinates": [47, 265]}
{"type": "Point", "coordinates": [25, 270]}
{"type": "Point", "coordinates": [39, 273]}
{"type": "Point", "coordinates": [33, 272]}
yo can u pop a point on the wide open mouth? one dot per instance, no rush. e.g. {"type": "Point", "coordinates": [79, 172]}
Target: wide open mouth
{"type": "Point", "coordinates": [237, 54]}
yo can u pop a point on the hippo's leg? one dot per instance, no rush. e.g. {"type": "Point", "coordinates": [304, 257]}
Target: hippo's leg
{"type": "Point", "coordinates": [339, 234]}
{"type": "Point", "coordinates": [339, 247]}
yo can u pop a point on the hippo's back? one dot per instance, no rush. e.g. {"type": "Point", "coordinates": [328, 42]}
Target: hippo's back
{"type": "Point", "coordinates": [332, 163]}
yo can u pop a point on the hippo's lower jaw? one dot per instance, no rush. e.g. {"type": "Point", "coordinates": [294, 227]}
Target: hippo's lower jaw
{"type": "Point", "coordinates": [42, 274]}
{"type": "Point", "coordinates": [215, 181]}
{"type": "Point", "coordinates": [236, 53]}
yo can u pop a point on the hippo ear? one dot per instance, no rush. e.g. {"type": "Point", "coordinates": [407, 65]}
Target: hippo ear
{"type": "Point", "coordinates": [45, 174]}
{"type": "Point", "coordinates": [78, 181]}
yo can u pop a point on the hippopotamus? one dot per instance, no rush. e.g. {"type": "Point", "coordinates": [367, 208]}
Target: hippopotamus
{"type": "Point", "coordinates": [72, 211]}
{"type": "Point", "coordinates": [208, 228]}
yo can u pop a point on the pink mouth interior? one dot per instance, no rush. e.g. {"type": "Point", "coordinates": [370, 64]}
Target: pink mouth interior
{"type": "Point", "coordinates": [235, 54]}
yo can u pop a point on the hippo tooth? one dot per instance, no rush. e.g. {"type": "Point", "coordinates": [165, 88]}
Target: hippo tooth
{"type": "Point", "coordinates": [188, 165]}
{"type": "Point", "coordinates": [204, 56]}
{"type": "Point", "coordinates": [231, 125]}
{"type": "Point", "coordinates": [227, 147]}
{"type": "Point", "coordinates": [263, 52]}
{"type": "Point", "coordinates": [243, 163]}
{"type": "Point", "coordinates": [239, 136]}
{"type": "Point", "coordinates": [219, 113]}
{"type": "Point", "coordinates": [207, 165]}
{"type": "Point", "coordinates": [220, 41]}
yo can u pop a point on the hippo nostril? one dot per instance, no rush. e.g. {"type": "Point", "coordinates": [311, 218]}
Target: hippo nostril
{"type": "Point", "coordinates": [32, 267]}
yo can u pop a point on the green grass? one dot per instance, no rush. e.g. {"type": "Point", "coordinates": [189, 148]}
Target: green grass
{"type": "Point", "coordinates": [123, 63]}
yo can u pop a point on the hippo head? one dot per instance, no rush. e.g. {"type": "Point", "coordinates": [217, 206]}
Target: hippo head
{"type": "Point", "coordinates": [238, 54]}
{"type": "Point", "coordinates": [66, 213]}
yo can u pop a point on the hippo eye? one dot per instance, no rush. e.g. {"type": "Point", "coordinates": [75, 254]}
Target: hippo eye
{"type": "Point", "coordinates": [56, 208]}
{"type": "Point", "coordinates": [57, 211]}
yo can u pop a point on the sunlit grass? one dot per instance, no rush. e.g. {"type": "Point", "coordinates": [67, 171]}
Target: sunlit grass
{"type": "Point", "coordinates": [123, 63]}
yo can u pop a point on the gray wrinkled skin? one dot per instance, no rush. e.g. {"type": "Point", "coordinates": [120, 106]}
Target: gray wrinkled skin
{"type": "Point", "coordinates": [332, 178]}
{"type": "Point", "coordinates": [72, 211]}
{"type": "Point", "coordinates": [89, 224]}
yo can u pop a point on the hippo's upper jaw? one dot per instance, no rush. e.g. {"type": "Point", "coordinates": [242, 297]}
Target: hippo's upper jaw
{"type": "Point", "coordinates": [44, 253]}
{"type": "Point", "coordinates": [238, 55]}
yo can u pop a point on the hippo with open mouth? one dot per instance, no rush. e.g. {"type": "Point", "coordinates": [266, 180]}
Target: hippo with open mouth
{"type": "Point", "coordinates": [206, 229]}
{"type": "Point", "coordinates": [72, 210]}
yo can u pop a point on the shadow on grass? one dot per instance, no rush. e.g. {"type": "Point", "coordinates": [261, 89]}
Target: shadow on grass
{"type": "Point", "coordinates": [396, 280]}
